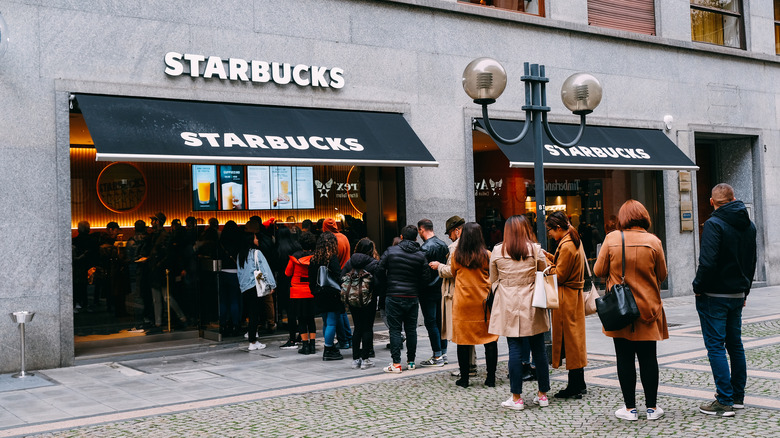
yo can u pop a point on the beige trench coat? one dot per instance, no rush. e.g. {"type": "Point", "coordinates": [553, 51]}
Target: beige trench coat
{"type": "Point", "coordinates": [512, 315]}
{"type": "Point", "coordinates": [447, 291]}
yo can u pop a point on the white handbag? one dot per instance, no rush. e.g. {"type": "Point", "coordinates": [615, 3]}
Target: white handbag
{"type": "Point", "coordinates": [263, 288]}
{"type": "Point", "coordinates": [591, 295]}
{"type": "Point", "coordinates": [545, 289]}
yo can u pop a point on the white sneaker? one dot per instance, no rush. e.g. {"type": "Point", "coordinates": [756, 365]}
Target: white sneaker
{"type": "Point", "coordinates": [631, 415]}
{"type": "Point", "coordinates": [256, 346]}
{"type": "Point", "coordinates": [392, 369]}
{"type": "Point", "coordinates": [356, 364]}
{"type": "Point", "coordinates": [654, 414]}
{"type": "Point", "coordinates": [512, 404]}
{"type": "Point", "coordinates": [366, 364]}
{"type": "Point", "coordinates": [543, 401]}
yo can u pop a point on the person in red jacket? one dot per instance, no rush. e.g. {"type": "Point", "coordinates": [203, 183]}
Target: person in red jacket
{"type": "Point", "coordinates": [300, 295]}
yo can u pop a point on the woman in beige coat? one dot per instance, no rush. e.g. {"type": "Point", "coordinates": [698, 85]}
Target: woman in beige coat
{"type": "Point", "coordinates": [645, 270]}
{"type": "Point", "coordinates": [513, 267]}
{"type": "Point", "coordinates": [568, 320]}
{"type": "Point", "coordinates": [470, 269]}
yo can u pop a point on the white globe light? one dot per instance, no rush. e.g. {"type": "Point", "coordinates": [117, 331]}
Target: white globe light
{"type": "Point", "coordinates": [581, 93]}
{"type": "Point", "coordinates": [484, 79]}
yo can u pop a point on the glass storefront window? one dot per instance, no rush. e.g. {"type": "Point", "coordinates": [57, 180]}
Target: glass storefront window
{"type": "Point", "coordinates": [590, 198]}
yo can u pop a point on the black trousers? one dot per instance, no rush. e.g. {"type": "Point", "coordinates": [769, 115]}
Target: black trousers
{"type": "Point", "coordinates": [645, 351]}
{"type": "Point", "coordinates": [491, 359]}
{"type": "Point", "coordinates": [363, 333]}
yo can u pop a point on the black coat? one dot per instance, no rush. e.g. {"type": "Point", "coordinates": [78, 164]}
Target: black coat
{"type": "Point", "coordinates": [404, 270]}
{"type": "Point", "coordinates": [727, 260]}
{"type": "Point", "coordinates": [326, 299]}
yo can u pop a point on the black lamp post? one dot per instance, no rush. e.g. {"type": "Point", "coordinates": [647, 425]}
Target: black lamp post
{"type": "Point", "coordinates": [485, 79]}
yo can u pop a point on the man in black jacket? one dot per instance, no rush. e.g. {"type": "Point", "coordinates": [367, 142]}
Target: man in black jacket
{"type": "Point", "coordinates": [430, 298]}
{"type": "Point", "coordinates": [727, 262]}
{"type": "Point", "coordinates": [406, 272]}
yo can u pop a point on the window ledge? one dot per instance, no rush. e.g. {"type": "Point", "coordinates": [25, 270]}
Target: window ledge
{"type": "Point", "coordinates": [532, 20]}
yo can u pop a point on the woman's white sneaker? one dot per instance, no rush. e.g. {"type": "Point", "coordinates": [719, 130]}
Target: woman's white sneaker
{"type": "Point", "coordinates": [541, 401]}
{"type": "Point", "coordinates": [512, 404]}
{"type": "Point", "coordinates": [654, 414]}
{"type": "Point", "coordinates": [623, 414]}
{"type": "Point", "coordinates": [256, 346]}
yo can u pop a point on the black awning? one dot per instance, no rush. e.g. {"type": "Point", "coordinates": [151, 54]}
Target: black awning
{"type": "Point", "coordinates": [140, 129]}
{"type": "Point", "coordinates": [601, 147]}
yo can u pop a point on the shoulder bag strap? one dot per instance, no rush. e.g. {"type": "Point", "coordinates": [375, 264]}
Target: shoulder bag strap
{"type": "Point", "coordinates": [257, 262]}
{"type": "Point", "coordinates": [587, 266]}
{"type": "Point", "coordinates": [623, 239]}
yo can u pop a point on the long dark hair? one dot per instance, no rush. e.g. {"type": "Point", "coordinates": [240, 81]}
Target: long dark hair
{"type": "Point", "coordinates": [248, 244]}
{"type": "Point", "coordinates": [366, 246]}
{"type": "Point", "coordinates": [286, 244]}
{"type": "Point", "coordinates": [558, 219]}
{"type": "Point", "coordinates": [471, 251]}
{"type": "Point", "coordinates": [518, 238]}
{"type": "Point", "coordinates": [327, 247]}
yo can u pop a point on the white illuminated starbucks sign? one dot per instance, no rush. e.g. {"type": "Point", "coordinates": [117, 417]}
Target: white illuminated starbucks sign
{"type": "Point", "coordinates": [237, 69]}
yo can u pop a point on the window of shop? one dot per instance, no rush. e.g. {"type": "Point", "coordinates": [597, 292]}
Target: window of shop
{"type": "Point", "coordinates": [113, 302]}
{"type": "Point", "coordinates": [629, 15]}
{"type": "Point", "coordinates": [532, 7]}
{"type": "Point", "coordinates": [591, 198]}
{"type": "Point", "coordinates": [718, 22]}
{"type": "Point", "coordinates": [777, 27]}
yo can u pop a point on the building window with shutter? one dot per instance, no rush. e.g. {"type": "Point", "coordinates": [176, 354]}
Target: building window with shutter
{"type": "Point", "coordinates": [636, 16]}
{"type": "Point", "coordinates": [532, 7]}
{"type": "Point", "coordinates": [777, 27]}
{"type": "Point", "coordinates": [718, 22]}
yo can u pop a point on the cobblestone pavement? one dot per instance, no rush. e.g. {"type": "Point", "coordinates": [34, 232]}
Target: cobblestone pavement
{"type": "Point", "coordinates": [431, 404]}
{"type": "Point", "coordinates": [229, 393]}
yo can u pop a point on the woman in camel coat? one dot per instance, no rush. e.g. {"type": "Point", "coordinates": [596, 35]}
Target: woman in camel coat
{"type": "Point", "coordinates": [469, 266]}
{"type": "Point", "coordinates": [645, 270]}
{"type": "Point", "coordinates": [568, 320]}
{"type": "Point", "coordinates": [513, 267]}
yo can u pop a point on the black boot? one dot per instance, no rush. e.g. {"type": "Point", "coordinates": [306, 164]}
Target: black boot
{"type": "Point", "coordinates": [464, 362]}
{"type": "Point", "coordinates": [490, 381]}
{"type": "Point", "coordinates": [573, 389]}
{"type": "Point", "coordinates": [332, 353]}
{"type": "Point", "coordinates": [312, 350]}
{"type": "Point", "coordinates": [529, 372]}
{"type": "Point", "coordinates": [304, 348]}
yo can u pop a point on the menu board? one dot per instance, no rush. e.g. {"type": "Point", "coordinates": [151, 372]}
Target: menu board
{"type": "Point", "coordinates": [279, 187]}
{"type": "Point", "coordinates": [231, 180]}
{"type": "Point", "coordinates": [204, 187]}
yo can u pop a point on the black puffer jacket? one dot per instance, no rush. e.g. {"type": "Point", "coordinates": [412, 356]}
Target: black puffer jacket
{"type": "Point", "coordinates": [370, 265]}
{"type": "Point", "coordinates": [727, 261]}
{"type": "Point", "coordinates": [405, 269]}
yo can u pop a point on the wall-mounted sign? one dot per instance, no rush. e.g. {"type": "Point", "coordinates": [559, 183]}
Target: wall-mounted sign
{"type": "Point", "coordinates": [121, 187]}
{"type": "Point", "coordinates": [237, 69]}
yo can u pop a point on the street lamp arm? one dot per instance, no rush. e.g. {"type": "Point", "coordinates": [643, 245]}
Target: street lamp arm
{"type": "Point", "coordinates": [495, 135]}
{"type": "Point", "coordinates": [558, 142]}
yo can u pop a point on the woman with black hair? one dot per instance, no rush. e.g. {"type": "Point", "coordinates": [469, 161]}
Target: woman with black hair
{"type": "Point", "coordinates": [470, 267]}
{"type": "Point", "coordinates": [286, 245]}
{"type": "Point", "coordinates": [568, 320]}
{"type": "Point", "coordinates": [250, 259]}
{"type": "Point", "coordinates": [327, 300]}
{"type": "Point", "coordinates": [229, 290]}
{"type": "Point", "coordinates": [365, 258]}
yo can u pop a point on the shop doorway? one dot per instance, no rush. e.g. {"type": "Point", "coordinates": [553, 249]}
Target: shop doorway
{"type": "Point", "coordinates": [731, 160]}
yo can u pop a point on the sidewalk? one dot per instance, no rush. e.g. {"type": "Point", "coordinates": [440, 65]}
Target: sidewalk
{"type": "Point", "coordinates": [218, 385]}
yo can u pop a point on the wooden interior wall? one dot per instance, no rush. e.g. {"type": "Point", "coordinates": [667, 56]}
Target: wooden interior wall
{"type": "Point", "coordinates": [169, 190]}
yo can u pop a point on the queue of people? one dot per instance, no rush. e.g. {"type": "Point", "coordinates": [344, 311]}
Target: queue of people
{"type": "Point", "coordinates": [472, 295]}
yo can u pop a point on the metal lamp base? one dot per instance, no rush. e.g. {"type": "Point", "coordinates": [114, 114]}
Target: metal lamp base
{"type": "Point", "coordinates": [22, 374]}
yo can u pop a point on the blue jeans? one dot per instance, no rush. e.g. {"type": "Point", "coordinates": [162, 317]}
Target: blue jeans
{"type": "Point", "coordinates": [329, 323]}
{"type": "Point", "coordinates": [343, 330]}
{"type": "Point", "coordinates": [516, 364]}
{"type": "Point", "coordinates": [721, 328]}
{"type": "Point", "coordinates": [430, 304]}
{"type": "Point", "coordinates": [402, 312]}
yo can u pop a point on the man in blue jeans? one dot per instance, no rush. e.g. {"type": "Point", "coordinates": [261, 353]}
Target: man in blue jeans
{"type": "Point", "coordinates": [727, 262]}
{"type": "Point", "coordinates": [405, 271]}
{"type": "Point", "coordinates": [430, 297]}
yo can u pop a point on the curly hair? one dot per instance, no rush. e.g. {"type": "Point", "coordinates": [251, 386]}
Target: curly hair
{"type": "Point", "coordinates": [327, 247]}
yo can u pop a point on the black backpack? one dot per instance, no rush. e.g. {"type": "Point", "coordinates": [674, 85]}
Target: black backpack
{"type": "Point", "coordinates": [356, 288]}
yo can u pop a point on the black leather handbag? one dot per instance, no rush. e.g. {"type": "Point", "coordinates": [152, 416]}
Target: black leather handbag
{"type": "Point", "coordinates": [324, 280]}
{"type": "Point", "coordinates": [617, 308]}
